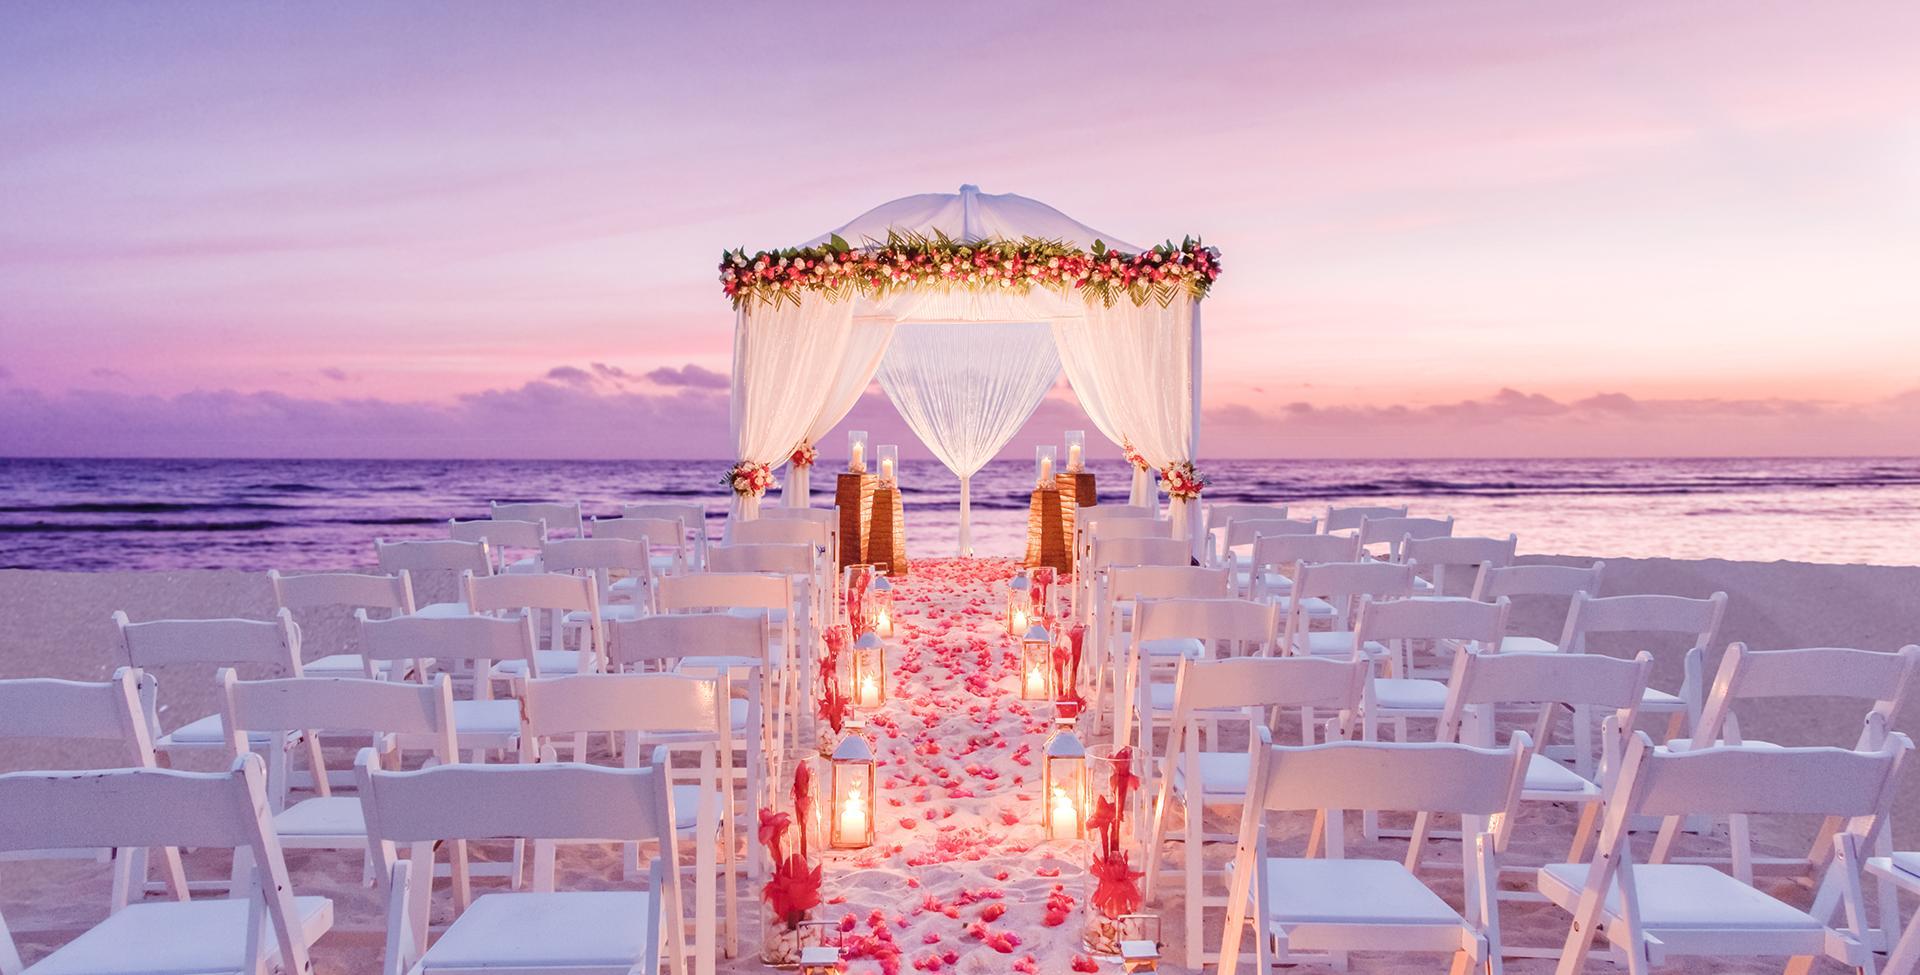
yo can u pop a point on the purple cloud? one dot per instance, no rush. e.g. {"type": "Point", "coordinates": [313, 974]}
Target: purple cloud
{"type": "Point", "coordinates": [690, 376]}
{"type": "Point", "coordinates": [336, 374]}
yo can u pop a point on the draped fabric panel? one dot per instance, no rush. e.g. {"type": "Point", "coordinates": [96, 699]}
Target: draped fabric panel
{"type": "Point", "coordinates": [788, 360]}
{"type": "Point", "coordinates": [866, 343]}
{"type": "Point", "coordinates": [966, 389]}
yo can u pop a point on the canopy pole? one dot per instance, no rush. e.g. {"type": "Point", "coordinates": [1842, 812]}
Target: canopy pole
{"type": "Point", "coordinates": [966, 516]}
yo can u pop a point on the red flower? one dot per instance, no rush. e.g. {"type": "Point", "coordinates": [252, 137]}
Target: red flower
{"type": "Point", "coordinates": [1115, 891]}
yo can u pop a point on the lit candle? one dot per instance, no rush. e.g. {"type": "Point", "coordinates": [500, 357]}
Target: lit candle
{"type": "Point", "coordinates": [853, 816]}
{"type": "Point", "coordinates": [859, 461]}
{"type": "Point", "coordinates": [1036, 683]}
{"type": "Point", "coordinates": [869, 691]}
{"type": "Point", "coordinates": [1073, 457]}
{"type": "Point", "coordinates": [885, 624]}
{"type": "Point", "coordinates": [1020, 621]}
{"type": "Point", "coordinates": [1046, 469]}
{"type": "Point", "coordinates": [886, 468]}
{"type": "Point", "coordinates": [1066, 816]}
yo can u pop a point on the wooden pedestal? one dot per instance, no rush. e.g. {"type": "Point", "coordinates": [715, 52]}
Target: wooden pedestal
{"type": "Point", "coordinates": [1085, 494]}
{"type": "Point", "coordinates": [887, 533]}
{"type": "Point", "coordinates": [1048, 532]}
{"type": "Point", "coordinates": [853, 495]}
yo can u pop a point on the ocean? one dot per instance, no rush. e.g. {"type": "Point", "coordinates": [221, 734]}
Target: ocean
{"type": "Point", "coordinates": [96, 515]}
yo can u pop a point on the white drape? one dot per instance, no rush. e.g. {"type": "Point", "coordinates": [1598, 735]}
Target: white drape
{"type": "Point", "coordinates": [866, 343]}
{"type": "Point", "coordinates": [787, 360]}
{"type": "Point", "coordinates": [966, 389]}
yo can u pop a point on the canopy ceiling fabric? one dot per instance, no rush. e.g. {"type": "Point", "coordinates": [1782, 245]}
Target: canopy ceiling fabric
{"type": "Point", "coordinates": [800, 367]}
{"type": "Point", "coordinates": [966, 389]}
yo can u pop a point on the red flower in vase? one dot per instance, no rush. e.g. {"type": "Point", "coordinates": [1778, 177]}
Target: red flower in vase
{"type": "Point", "coordinates": [1116, 888]}
{"type": "Point", "coordinates": [793, 890]}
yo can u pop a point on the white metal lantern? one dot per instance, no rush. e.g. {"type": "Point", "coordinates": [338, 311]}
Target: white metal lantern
{"type": "Point", "coordinates": [1063, 778]}
{"type": "Point", "coordinates": [1019, 603]}
{"type": "Point", "coordinates": [869, 671]}
{"type": "Point", "coordinates": [880, 605]}
{"type": "Point", "coordinates": [851, 811]}
{"type": "Point", "coordinates": [1036, 663]}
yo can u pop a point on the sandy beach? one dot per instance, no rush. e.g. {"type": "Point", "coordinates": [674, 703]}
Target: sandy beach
{"type": "Point", "coordinates": [961, 865]}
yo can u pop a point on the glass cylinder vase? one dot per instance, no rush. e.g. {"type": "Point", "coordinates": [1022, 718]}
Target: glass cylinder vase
{"type": "Point", "coordinates": [1114, 855]}
{"type": "Point", "coordinates": [791, 891]}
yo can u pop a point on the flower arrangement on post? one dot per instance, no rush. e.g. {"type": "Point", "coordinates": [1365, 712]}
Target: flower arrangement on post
{"type": "Point", "coordinates": [749, 479]}
{"type": "Point", "coordinates": [792, 891]}
{"type": "Point", "coordinates": [1134, 457]}
{"type": "Point", "coordinates": [804, 455]}
{"type": "Point", "coordinates": [1116, 883]}
{"type": "Point", "coordinates": [1184, 481]}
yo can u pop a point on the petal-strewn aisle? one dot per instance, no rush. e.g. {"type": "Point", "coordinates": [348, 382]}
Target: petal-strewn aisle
{"type": "Point", "coordinates": [961, 879]}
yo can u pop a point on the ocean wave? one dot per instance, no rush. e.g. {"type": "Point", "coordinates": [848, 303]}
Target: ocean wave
{"type": "Point", "coordinates": [139, 507]}
{"type": "Point", "coordinates": [104, 527]}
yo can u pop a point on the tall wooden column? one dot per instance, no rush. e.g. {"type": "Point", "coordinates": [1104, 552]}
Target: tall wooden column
{"type": "Point", "coordinates": [853, 495]}
{"type": "Point", "coordinates": [887, 532]}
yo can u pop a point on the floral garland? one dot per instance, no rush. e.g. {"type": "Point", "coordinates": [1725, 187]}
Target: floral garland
{"type": "Point", "coordinates": [1183, 480]}
{"type": "Point", "coordinates": [839, 270]}
{"type": "Point", "coordinates": [749, 479]}
{"type": "Point", "coordinates": [1135, 458]}
{"type": "Point", "coordinates": [804, 455]}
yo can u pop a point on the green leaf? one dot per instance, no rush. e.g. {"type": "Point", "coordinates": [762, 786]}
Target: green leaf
{"type": "Point", "coordinates": [838, 243]}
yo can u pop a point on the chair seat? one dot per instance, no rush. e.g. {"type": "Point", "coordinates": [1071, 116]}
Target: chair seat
{"type": "Point", "coordinates": [553, 663]}
{"type": "Point", "coordinates": [1659, 700]}
{"type": "Point", "coordinates": [210, 731]}
{"type": "Point", "coordinates": [736, 666]}
{"type": "Point", "coordinates": [1546, 775]}
{"type": "Point", "coordinates": [175, 938]}
{"type": "Point", "coordinates": [1422, 585]}
{"type": "Point", "coordinates": [1351, 892]}
{"type": "Point", "coordinates": [774, 617]}
{"type": "Point", "coordinates": [1409, 694]}
{"type": "Point", "coordinates": [339, 665]}
{"type": "Point", "coordinates": [1312, 606]}
{"type": "Point", "coordinates": [579, 929]}
{"type": "Point", "coordinates": [1174, 647]}
{"type": "Point", "coordinates": [1336, 643]}
{"type": "Point", "coordinates": [1685, 744]}
{"type": "Point", "coordinates": [1160, 697]}
{"type": "Point", "coordinates": [1682, 896]}
{"type": "Point", "coordinates": [1221, 773]}
{"type": "Point", "coordinates": [528, 565]}
{"type": "Point", "coordinates": [1908, 863]}
{"type": "Point", "coordinates": [1527, 644]}
{"type": "Point", "coordinates": [486, 717]}
{"type": "Point", "coordinates": [322, 816]}
{"type": "Point", "coordinates": [614, 613]}
{"type": "Point", "coordinates": [441, 611]}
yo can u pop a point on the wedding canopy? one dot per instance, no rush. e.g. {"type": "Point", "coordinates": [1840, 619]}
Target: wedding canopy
{"type": "Point", "coordinates": [949, 299]}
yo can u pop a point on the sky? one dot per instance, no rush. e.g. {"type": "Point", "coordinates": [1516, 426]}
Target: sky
{"type": "Point", "coordinates": [490, 229]}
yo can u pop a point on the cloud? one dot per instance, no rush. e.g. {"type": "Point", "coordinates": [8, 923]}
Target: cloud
{"type": "Point", "coordinates": [5, 374]}
{"type": "Point", "coordinates": [336, 374]}
{"type": "Point", "coordinates": [102, 372]}
{"type": "Point", "coordinates": [571, 375]}
{"type": "Point", "coordinates": [689, 375]}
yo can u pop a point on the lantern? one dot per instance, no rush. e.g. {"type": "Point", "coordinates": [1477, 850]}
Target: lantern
{"type": "Point", "coordinates": [889, 455]}
{"type": "Point", "coordinates": [820, 958]}
{"type": "Point", "coordinates": [1036, 663]}
{"type": "Point", "coordinates": [1063, 780]}
{"type": "Point", "coordinates": [880, 605]}
{"type": "Point", "coordinates": [856, 451]}
{"type": "Point", "coordinates": [1019, 603]}
{"type": "Point", "coordinates": [851, 811]}
{"type": "Point", "coordinates": [1044, 457]}
{"type": "Point", "coordinates": [869, 671]}
{"type": "Point", "coordinates": [1140, 951]}
{"type": "Point", "coordinates": [1076, 450]}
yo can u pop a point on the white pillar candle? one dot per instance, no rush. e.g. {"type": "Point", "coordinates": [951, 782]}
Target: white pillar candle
{"type": "Point", "coordinates": [1036, 683]}
{"type": "Point", "coordinates": [886, 469]}
{"type": "Point", "coordinates": [1066, 817]}
{"type": "Point", "coordinates": [1073, 457]}
{"type": "Point", "coordinates": [869, 691]}
{"type": "Point", "coordinates": [1046, 469]}
{"type": "Point", "coordinates": [859, 460]}
{"type": "Point", "coordinates": [853, 816]}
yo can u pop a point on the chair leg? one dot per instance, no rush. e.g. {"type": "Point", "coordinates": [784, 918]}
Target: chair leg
{"type": "Point", "coordinates": [1194, 860]}
{"type": "Point", "coordinates": [1585, 832]}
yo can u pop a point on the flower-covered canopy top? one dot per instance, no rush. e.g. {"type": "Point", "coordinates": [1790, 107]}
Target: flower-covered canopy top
{"type": "Point", "coordinates": [969, 241]}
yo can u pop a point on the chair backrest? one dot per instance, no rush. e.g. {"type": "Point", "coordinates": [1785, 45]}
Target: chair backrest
{"type": "Point", "coordinates": [45, 707]}
{"type": "Point", "coordinates": [1243, 531]}
{"type": "Point", "coordinates": [561, 801]}
{"type": "Point", "coordinates": [1219, 515]}
{"type": "Point", "coordinates": [648, 704]}
{"type": "Point", "coordinates": [1431, 618]}
{"type": "Point", "coordinates": [656, 532]}
{"type": "Point", "coordinates": [499, 533]}
{"type": "Point", "coordinates": [779, 531]}
{"type": "Point", "coordinates": [1756, 780]}
{"type": "Point", "coordinates": [1126, 582]}
{"type": "Point", "coordinates": [559, 516]}
{"type": "Point", "coordinates": [1643, 613]}
{"type": "Point", "coordinates": [1495, 581]}
{"type": "Point", "coordinates": [1439, 553]}
{"type": "Point", "coordinates": [482, 639]}
{"type": "Point", "coordinates": [156, 643]}
{"type": "Point", "coordinates": [1340, 583]}
{"type": "Point", "coordinates": [1268, 682]}
{"type": "Point", "coordinates": [155, 807]}
{"type": "Point", "coordinates": [532, 590]}
{"type": "Point", "coordinates": [828, 517]}
{"type": "Point", "coordinates": [1888, 681]}
{"type": "Point", "coordinates": [603, 558]}
{"type": "Point", "coordinates": [1093, 514]}
{"type": "Point", "coordinates": [668, 638]}
{"type": "Point", "coordinates": [692, 517]}
{"type": "Point", "coordinates": [796, 560]}
{"type": "Point", "coordinates": [1486, 680]}
{"type": "Point", "coordinates": [1140, 551]}
{"type": "Point", "coordinates": [1114, 528]}
{"type": "Point", "coordinates": [1393, 532]}
{"type": "Point", "coordinates": [1349, 518]}
{"type": "Point", "coordinates": [1437, 777]}
{"type": "Point", "coordinates": [341, 705]}
{"type": "Point", "coordinates": [1244, 622]}
{"type": "Point", "coordinates": [725, 590]}
{"type": "Point", "coordinates": [1284, 553]}
{"type": "Point", "coordinates": [447, 555]}
{"type": "Point", "coordinates": [349, 590]}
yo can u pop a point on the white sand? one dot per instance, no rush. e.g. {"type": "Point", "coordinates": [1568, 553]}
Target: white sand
{"type": "Point", "coordinates": [951, 747]}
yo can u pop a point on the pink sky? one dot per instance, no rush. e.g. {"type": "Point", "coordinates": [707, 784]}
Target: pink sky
{"type": "Point", "coordinates": [480, 229]}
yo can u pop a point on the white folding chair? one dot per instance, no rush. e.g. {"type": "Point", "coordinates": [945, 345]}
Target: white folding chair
{"type": "Point", "coordinates": [1338, 905]}
{"type": "Point", "coordinates": [261, 927]}
{"type": "Point", "coordinates": [669, 712]}
{"type": "Point", "coordinates": [1339, 585]}
{"type": "Point", "coordinates": [564, 517]}
{"type": "Point", "coordinates": [693, 525]}
{"type": "Point", "coordinates": [515, 544]}
{"type": "Point", "coordinates": [606, 561]}
{"type": "Point", "coordinates": [1116, 595]}
{"type": "Point", "coordinates": [1901, 871]}
{"type": "Point", "coordinates": [1169, 630]}
{"type": "Point", "coordinates": [382, 710]}
{"type": "Point", "coordinates": [670, 550]}
{"type": "Point", "coordinates": [1346, 519]}
{"type": "Point", "coordinates": [481, 723]}
{"type": "Point", "coordinates": [1241, 532]}
{"type": "Point", "coordinates": [611, 932]}
{"type": "Point", "coordinates": [1650, 910]}
{"type": "Point", "coordinates": [107, 713]}
{"type": "Point", "coordinates": [765, 597]}
{"type": "Point", "coordinates": [1695, 621]}
{"type": "Point", "coordinates": [558, 595]}
{"type": "Point", "coordinates": [1085, 521]}
{"type": "Point", "coordinates": [1220, 515]}
{"type": "Point", "coordinates": [1393, 533]}
{"type": "Point", "coordinates": [435, 565]}
{"type": "Point", "coordinates": [388, 595]}
{"type": "Point", "coordinates": [1432, 556]}
{"type": "Point", "coordinates": [1269, 571]}
{"type": "Point", "coordinates": [1252, 690]}
{"type": "Point", "coordinates": [826, 518]}
{"type": "Point", "coordinates": [1522, 582]}
{"type": "Point", "coordinates": [268, 647]}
